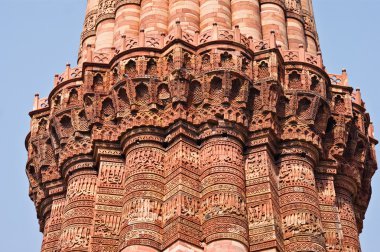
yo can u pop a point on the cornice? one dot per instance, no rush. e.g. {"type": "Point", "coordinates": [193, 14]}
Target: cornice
{"type": "Point", "coordinates": [280, 3]}
{"type": "Point", "coordinates": [121, 3]}
{"type": "Point", "coordinates": [77, 164]}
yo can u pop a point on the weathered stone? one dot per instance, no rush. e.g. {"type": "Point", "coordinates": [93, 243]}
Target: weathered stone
{"type": "Point", "coordinates": [200, 125]}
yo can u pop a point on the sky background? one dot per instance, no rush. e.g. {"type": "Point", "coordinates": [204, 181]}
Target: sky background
{"type": "Point", "coordinates": [38, 37]}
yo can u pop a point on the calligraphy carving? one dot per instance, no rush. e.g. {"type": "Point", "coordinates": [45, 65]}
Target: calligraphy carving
{"type": "Point", "coordinates": [107, 225]}
{"type": "Point", "coordinates": [256, 166]}
{"type": "Point", "coordinates": [223, 204]}
{"type": "Point", "coordinates": [112, 174]}
{"type": "Point", "coordinates": [260, 214]}
{"type": "Point", "coordinates": [175, 126]}
{"type": "Point", "coordinates": [296, 172]}
{"type": "Point", "coordinates": [75, 237]}
{"type": "Point", "coordinates": [301, 223]}
{"type": "Point", "coordinates": [220, 152]}
{"type": "Point", "coordinates": [81, 186]}
{"type": "Point", "coordinates": [146, 159]}
{"type": "Point", "coordinates": [142, 210]}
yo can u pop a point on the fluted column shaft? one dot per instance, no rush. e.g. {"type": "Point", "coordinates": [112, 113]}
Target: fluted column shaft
{"type": "Point", "coordinates": [143, 199]}
{"type": "Point", "coordinates": [185, 11]}
{"type": "Point", "coordinates": [223, 193]}
{"type": "Point", "coordinates": [301, 217]}
{"type": "Point", "coordinates": [104, 35]}
{"type": "Point", "coordinates": [105, 25]}
{"type": "Point", "coordinates": [215, 12]}
{"type": "Point", "coordinates": [310, 28]}
{"type": "Point", "coordinates": [329, 212]}
{"type": "Point", "coordinates": [344, 199]}
{"type": "Point", "coordinates": [154, 16]}
{"type": "Point", "coordinates": [246, 15]}
{"type": "Point", "coordinates": [295, 25]}
{"type": "Point", "coordinates": [127, 22]}
{"type": "Point", "coordinates": [263, 209]}
{"type": "Point", "coordinates": [182, 191]}
{"type": "Point", "coordinates": [296, 33]}
{"type": "Point", "coordinates": [53, 225]}
{"type": "Point", "coordinates": [108, 20]}
{"type": "Point", "coordinates": [273, 19]}
{"type": "Point", "coordinates": [79, 211]}
{"type": "Point", "coordinates": [108, 205]}
{"type": "Point", "coordinates": [88, 33]}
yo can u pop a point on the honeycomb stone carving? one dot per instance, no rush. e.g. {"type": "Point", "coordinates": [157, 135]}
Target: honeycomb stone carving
{"type": "Point", "coordinates": [200, 125]}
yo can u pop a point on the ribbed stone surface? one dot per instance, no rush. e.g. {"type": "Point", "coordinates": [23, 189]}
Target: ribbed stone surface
{"type": "Point", "coordinates": [200, 125]}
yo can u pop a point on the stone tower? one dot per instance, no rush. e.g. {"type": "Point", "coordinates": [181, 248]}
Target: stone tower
{"type": "Point", "coordinates": [200, 125]}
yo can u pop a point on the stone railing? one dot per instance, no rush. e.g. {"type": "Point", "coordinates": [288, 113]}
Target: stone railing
{"type": "Point", "coordinates": [339, 79]}
{"type": "Point", "coordinates": [40, 103]}
{"type": "Point", "coordinates": [160, 41]}
{"type": "Point", "coordinates": [302, 56]}
{"type": "Point", "coordinates": [69, 74]}
{"type": "Point", "coordinates": [196, 39]}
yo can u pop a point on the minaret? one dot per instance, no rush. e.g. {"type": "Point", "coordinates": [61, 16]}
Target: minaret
{"type": "Point", "coordinates": [200, 125]}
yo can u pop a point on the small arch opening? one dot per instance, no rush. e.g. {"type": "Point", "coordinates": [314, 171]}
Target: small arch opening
{"type": "Point", "coordinates": [303, 108]}
{"type": "Point", "coordinates": [295, 80]}
{"type": "Point", "coordinates": [73, 96]}
{"type": "Point", "coordinates": [98, 81]}
{"type": "Point", "coordinates": [225, 59]}
{"type": "Point", "coordinates": [130, 68]}
{"type": "Point", "coordinates": [315, 84]}
{"type": "Point", "coordinates": [151, 67]}
{"type": "Point", "coordinates": [216, 88]}
{"type": "Point", "coordinates": [236, 89]}
{"type": "Point", "coordinates": [263, 70]}
{"type": "Point", "coordinates": [66, 122]}
{"type": "Point", "coordinates": [123, 97]}
{"type": "Point", "coordinates": [142, 94]}
{"type": "Point", "coordinates": [339, 104]}
{"type": "Point", "coordinates": [195, 93]}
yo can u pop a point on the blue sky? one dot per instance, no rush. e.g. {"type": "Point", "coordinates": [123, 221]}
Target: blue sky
{"type": "Point", "coordinates": [38, 37]}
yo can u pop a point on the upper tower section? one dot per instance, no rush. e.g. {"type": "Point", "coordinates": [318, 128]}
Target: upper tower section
{"type": "Point", "coordinates": [113, 25]}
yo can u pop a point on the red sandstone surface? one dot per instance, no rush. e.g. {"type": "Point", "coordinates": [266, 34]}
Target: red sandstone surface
{"type": "Point", "coordinates": [200, 125]}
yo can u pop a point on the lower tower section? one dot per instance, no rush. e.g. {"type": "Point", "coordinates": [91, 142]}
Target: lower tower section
{"type": "Point", "coordinates": [79, 211]}
{"type": "Point", "coordinates": [223, 193]}
{"type": "Point", "coordinates": [300, 212]}
{"type": "Point", "coordinates": [144, 187]}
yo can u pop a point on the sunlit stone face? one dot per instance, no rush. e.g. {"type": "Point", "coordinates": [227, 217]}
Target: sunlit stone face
{"type": "Point", "coordinates": [199, 125]}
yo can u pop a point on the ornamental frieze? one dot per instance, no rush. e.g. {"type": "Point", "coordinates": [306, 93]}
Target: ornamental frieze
{"type": "Point", "coordinates": [191, 125]}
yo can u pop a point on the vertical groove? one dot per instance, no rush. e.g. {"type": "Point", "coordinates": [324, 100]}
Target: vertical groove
{"type": "Point", "coordinates": [154, 16]}
{"type": "Point", "coordinates": [301, 217]}
{"type": "Point", "coordinates": [127, 22]}
{"type": "Point", "coordinates": [246, 15]}
{"type": "Point", "coordinates": [88, 32]}
{"type": "Point", "coordinates": [273, 19]}
{"type": "Point", "coordinates": [105, 25]}
{"type": "Point", "coordinates": [215, 11]}
{"type": "Point", "coordinates": [185, 11]}
{"type": "Point", "coordinates": [223, 203]}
